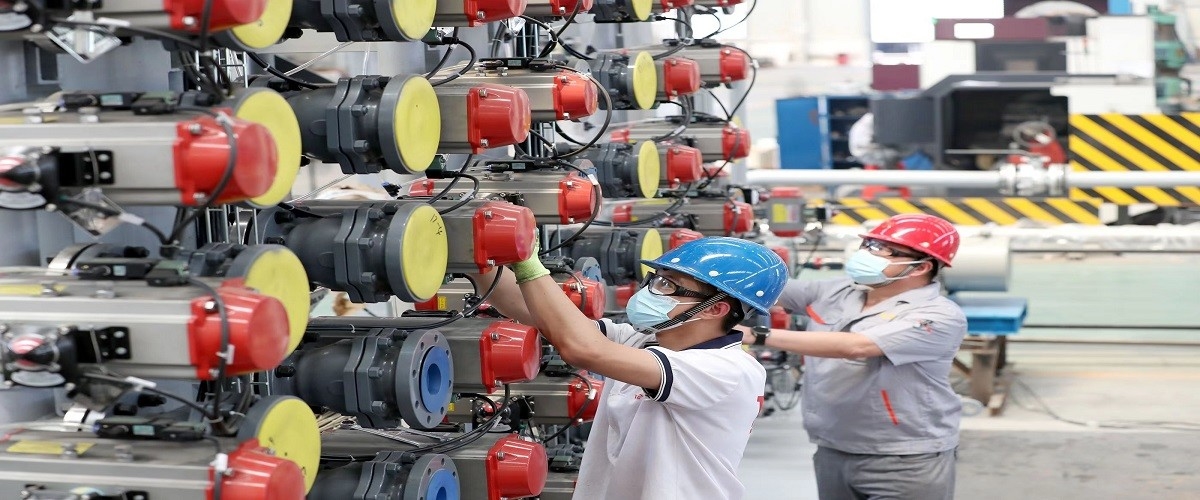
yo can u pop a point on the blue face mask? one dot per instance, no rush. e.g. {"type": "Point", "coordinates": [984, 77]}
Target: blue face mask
{"type": "Point", "coordinates": [646, 309]}
{"type": "Point", "coordinates": [866, 268]}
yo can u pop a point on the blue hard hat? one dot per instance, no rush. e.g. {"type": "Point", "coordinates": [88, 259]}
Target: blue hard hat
{"type": "Point", "coordinates": [742, 269]}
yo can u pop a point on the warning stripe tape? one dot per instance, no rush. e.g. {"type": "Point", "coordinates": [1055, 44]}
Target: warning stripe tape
{"type": "Point", "coordinates": [970, 211]}
{"type": "Point", "coordinates": [1122, 143]}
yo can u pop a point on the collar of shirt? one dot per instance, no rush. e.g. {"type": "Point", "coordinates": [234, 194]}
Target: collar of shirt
{"type": "Point", "coordinates": [729, 339]}
{"type": "Point", "coordinates": [924, 293]}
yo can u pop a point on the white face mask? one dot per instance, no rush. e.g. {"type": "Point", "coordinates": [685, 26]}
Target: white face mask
{"type": "Point", "coordinates": [646, 309]}
{"type": "Point", "coordinates": [866, 268]}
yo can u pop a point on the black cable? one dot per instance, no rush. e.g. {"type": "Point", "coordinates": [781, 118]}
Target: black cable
{"type": "Point", "coordinates": [712, 12]}
{"type": "Point", "coordinates": [578, 413]}
{"type": "Point", "coordinates": [586, 224]}
{"type": "Point", "coordinates": [568, 138]}
{"type": "Point", "coordinates": [453, 182]}
{"type": "Point", "coordinates": [607, 117]}
{"type": "Point", "coordinates": [753, 80]}
{"type": "Point", "coordinates": [691, 32]}
{"type": "Point", "coordinates": [740, 21]}
{"type": "Point", "coordinates": [470, 311]}
{"type": "Point", "coordinates": [223, 314]}
{"type": "Point", "coordinates": [687, 119]}
{"type": "Point", "coordinates": [146, 32]}
{"type": "Point", "coordinates": [445, 57]}
{"type": "Point", "coordinates": [555, 37]}
{"type": "Point", "coordinates": [811, 253]}
{"type": "Point", "coordinates": [279, 74]}
{"type": "Point", "coordinates": [112, 212]}
{"type": "Point", "coordinates": [177, 231]}
{"type": "Point", "coordinates": [728, 116]}
{"type": "Point", "coordinates": [471, 436]}
{"type": "Point", "coordinates": [470, 65]}
{"type": "Point", "coordinates": [466, 199]}
{"type": "Point", "coordinates": [116, 380]}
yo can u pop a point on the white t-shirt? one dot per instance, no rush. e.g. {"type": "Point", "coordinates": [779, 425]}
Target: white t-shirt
{"type": "Point", "coordinates": [683, 441]}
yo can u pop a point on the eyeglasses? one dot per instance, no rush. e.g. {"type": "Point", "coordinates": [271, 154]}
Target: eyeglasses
{"type": "Point", "coordinates": [662, 285]}
{"type": "Point", "coordinates": [877, 247]}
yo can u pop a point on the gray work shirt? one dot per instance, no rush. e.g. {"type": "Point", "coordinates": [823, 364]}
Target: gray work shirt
{"type": "Point", "coordinates": [897, 404]}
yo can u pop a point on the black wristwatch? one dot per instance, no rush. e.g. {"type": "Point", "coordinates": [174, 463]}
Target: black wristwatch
{"type": "Point", "coordinates": [760, 334]}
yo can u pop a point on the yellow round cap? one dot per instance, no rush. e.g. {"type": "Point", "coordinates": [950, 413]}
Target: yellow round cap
{"type": "Point", "coordinates": [268, 29]}
{"type": "Point", "coordinates": [417, 124]}
{"type": "Point", "coordinates": [276, 272]}
{"type": "Point", "coordinates": [286, 425]}
{"type": "Point", "coordinates": [414, 17]}
{"type": "Point", "coordinates": [652, 248]}
{"type": "Point", "coordinates": [269, 109]}
{"type": "Point", "coordinates": [642, 9]}
{"type": "Point", "coordinates": [424, 254]}
{"type": "Point", "coordinates": [645, 80]}
{"type": "Point", "coordinates": [649, 169]}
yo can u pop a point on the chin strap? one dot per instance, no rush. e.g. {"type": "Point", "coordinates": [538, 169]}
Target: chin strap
{"type": "Point", "coordinates": [685, 316]}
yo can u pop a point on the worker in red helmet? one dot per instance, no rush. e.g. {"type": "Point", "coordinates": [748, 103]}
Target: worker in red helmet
{"type": "Point", "coordinates": [878, 350]}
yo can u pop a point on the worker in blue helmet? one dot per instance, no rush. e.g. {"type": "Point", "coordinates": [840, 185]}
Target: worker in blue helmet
{"type": "Point", "coordinates": [674, 418]}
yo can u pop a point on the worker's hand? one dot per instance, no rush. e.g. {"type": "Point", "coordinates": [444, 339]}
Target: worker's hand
{"type": "Point", "coordinates": [531, 268]}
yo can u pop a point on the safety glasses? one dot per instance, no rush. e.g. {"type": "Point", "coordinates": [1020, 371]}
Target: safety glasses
{"type": "Point", "coordinates": [881, 249]}
{"type": "Point", "coordinates": [662, 285]}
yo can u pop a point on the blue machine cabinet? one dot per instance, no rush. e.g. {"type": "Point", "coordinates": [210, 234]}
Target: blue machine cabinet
{"type": "Point", "coordinates": [814, 130]}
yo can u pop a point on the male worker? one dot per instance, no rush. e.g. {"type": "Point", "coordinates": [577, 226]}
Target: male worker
{"type": "Point", "coordinates": [673, 419]}
{"type": "Point", "coordinates": [878, 350]}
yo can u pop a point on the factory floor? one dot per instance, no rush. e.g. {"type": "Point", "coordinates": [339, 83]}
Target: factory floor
{"type": "Point", "coordinates": [1123, 397]}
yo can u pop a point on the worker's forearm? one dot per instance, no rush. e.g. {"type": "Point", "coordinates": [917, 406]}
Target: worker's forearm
{"type": "Point", "coordinates": [823, 344]}
{"type": "Point", "coordinates": [560, 321]}
{"type": "Point", "coordinates": [506, 298]}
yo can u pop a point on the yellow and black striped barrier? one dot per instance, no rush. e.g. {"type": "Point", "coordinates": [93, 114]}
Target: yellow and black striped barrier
{"type": "Point", "coordinates": [1122, 143]}
{"type": "Point", "coordinates": [969, 211]}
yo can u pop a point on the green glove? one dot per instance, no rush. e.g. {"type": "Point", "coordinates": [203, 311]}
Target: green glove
{"type": "Point", "coordinates": [531, 268]}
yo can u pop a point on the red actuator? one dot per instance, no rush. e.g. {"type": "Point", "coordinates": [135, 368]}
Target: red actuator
{"type": "Point", "coordinates": [503, 234]}
{"type": "Point", "coordinates": [258, 331]}
{"type": "Point", "coordinates": [735, 64]}
{"type": "Point", "coordinates": [735, 142]}
{"type": "Point", "coordinates": [576, 198]}
{"type": "Point", "coordinates": [739, 218]}
{"type": "Point", "coordinates": [497, 115]}
{"type": "Point", "coordinates": [681, 76]}
{"type": "Point", "coordinates": [586, 294]}
{"type": "Point", "coordinates": [684, 164]}
{"type": "Point", "coordinates": [623, 213]}
{"type": "Point", "coordinates": [674, 4]}
{"type": "Point", "coordinates": [781, 319]}
{"type": "Point", "coordinates": [202, 150]}
{"type": "Point", "coordinates": [584, 398]}
{"type": "Point", "coordinates": [574, 96]}
{"type": "Point", "coordinates": [681, 236]}
{"type": "Point", "coordinates": [624, 292]}
{"type": "Point", "coordinates": [569, 6]}
{"type": "Point", "coordinates": [259, 475]}
{"type": "Point", "coordinates": [620, 135]}
{"type": "Point", "coordinates": [224, 14]}
{"type": "Point", "coordinates": [486, 11]}
{"type": "Point", "coordinates": [516, 468]}
{"type": "Point", "coordinates": [509, 352]}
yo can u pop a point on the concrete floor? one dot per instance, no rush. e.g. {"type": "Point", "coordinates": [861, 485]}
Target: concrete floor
{"type": "Point", "coordinates": [1119, 393]}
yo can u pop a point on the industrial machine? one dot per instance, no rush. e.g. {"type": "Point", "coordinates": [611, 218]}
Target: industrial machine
{"type": "Point", "coordinates": [200, 324]}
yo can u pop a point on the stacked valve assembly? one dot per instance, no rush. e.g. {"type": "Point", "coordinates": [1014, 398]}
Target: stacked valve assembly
{"type": "Point", "coordinates": [175, 305]}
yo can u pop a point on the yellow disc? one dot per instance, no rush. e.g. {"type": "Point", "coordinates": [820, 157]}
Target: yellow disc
{"type": "Point", "coordinates": [642, 8]}
{"type": "Point", "coordinates": [418, 124]}
{"type": "Point", "coordinates": [268, 29]}
{"type": "Point", "coordinates": [424, 252]}
{"type": "Point", "coordinates": [645, 80]}
{"type": "Point", "coordinates": [287, 426]}
{"type": "Point", "coordinates": [652, 248]}
{"type": "Point", "coordinates": [414, 17]}
{"type": "Point", "coordinates": [649, 169]}
{"type": "Point", "coordinates": [269, 109]}
{"type": "Point", "coordinates": [276, 272]}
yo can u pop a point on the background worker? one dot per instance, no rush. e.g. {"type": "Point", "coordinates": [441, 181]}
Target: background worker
{"type": "Point", "coordinates": [674, 418]}
{"type": "Point", "coordinates": [878, 351]}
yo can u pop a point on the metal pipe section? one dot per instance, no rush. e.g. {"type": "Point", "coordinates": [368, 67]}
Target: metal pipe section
{"type": "Point", "coordinates": [933, 178]}
{"type": "Point", "coordinates": [963, 179]}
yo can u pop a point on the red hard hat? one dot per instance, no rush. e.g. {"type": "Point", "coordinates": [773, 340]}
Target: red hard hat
{"type": "Point", "coordinates": [927, 234]}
